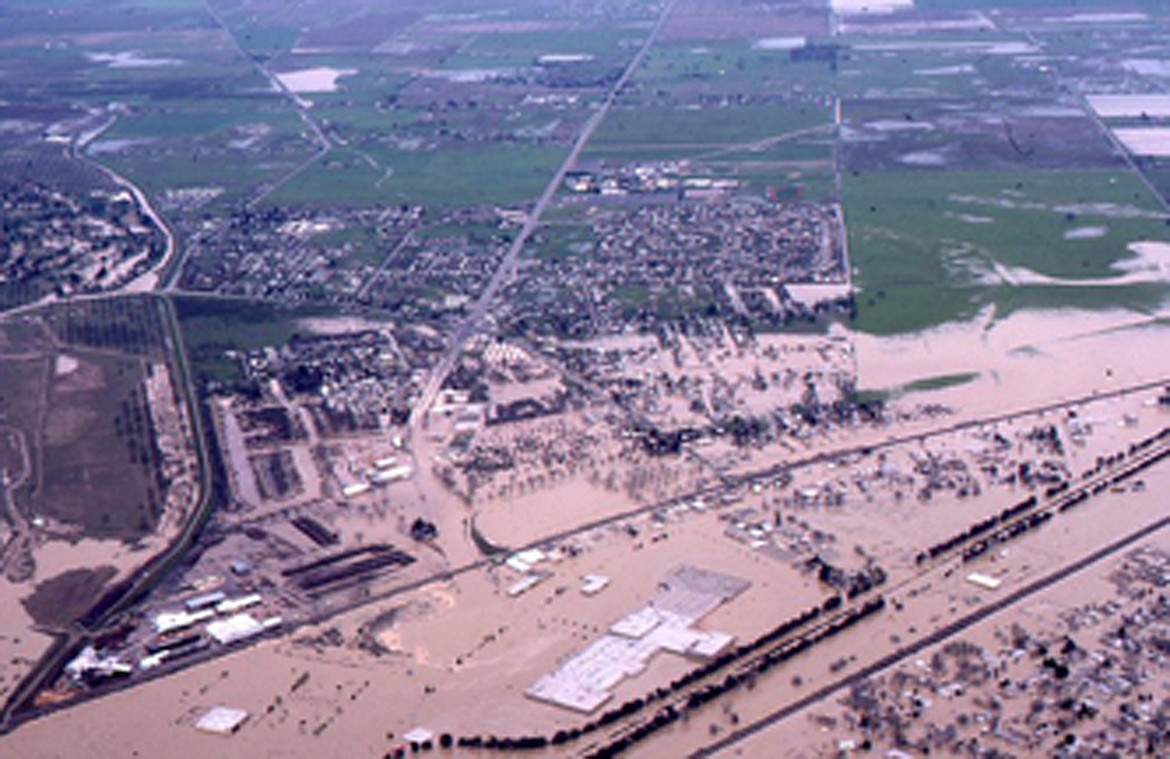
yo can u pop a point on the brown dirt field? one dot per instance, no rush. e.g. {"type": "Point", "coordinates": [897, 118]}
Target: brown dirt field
{"type": "Point", "coordinates": [21, 336]}
{"type": "Point", "coordinates": [90, 477]}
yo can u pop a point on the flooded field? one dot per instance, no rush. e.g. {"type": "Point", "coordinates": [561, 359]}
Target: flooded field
{"type": "Point", "coordinates": [638, 379]}
{"type": "Point", "coordinates": [865, 6]}
{"type": "Point", "coordinates": [1110, 106]}
{"type": "Point", "coordinates": [434, 646]}
{"type": "Point", "coordinates": [1153, 141]}
{"type": "Point", "coordinates": [320, 79]}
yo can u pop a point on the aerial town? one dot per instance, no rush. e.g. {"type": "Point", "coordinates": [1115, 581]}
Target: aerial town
{"type": "Point", "coordinates": [624, 378]}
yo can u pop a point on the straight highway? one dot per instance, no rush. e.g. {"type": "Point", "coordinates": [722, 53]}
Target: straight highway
{"type": "Point", "coordinates": [479, 309]}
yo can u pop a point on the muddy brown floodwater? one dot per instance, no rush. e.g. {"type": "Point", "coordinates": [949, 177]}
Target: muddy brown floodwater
{"type": "Point", "coordinates": [458, 654]}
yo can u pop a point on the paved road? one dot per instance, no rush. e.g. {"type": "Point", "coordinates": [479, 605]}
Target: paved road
{"type": "Point", "coordinates": [715, 489]}
{"type": "Point", "coordinates": [170, 281]}
{"type": "Point", "coordinates": [747, 665]}
{"type": "Point", "coordinates": [68, 643]}
{"type": "Point", "coordinates": [507, 266]}
{"type": "Point", "coordinates": [940, 635]}
{"type": "Point", "coordinates": [407, 239]}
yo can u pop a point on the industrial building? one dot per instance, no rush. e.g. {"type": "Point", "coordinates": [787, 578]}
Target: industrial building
{"type": "Point", "coordinates": [221, 720]}
{"type": "Point", "coordinates": [586, 680]}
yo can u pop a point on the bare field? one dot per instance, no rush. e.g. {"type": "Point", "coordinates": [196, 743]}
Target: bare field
{"type": "Point", "coordinates": [88, 469]}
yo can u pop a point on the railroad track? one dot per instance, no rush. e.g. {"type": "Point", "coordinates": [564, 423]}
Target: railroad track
{"type": "Point", "coordinates": [1010, 524]}
{"type": "Point", "coordinates": [917, 647]}
{"type": "Point", "coordinates": [1124, 467]}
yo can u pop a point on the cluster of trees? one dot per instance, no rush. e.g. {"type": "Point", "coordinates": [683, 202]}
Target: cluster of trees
{"type": "Point", "coordinates": [977, 539]}
{"type": "Point", "coordinates": [698, 698]}
{"type": "Point", "coordinates": [852, 584]}
{"type": "Point", "coordinates": [131, 325]}
{"type": "Point", "coordinates": [658, 443]}
{"type": "Point", "coordinates": [134, 428]}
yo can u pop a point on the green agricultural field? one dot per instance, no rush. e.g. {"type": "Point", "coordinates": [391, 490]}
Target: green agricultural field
{"type": "Point", "coordinates": [480, 233]}
{"type": "Point", "coordinates": [362, 244]}
{"type": "Point", "coordinates": [505, 58]}
{"type": "Point", "coordinates": [604, 44]}
{"type": "Point", "coordinates": [436, 179]}
{"type": "Point", "coordinates": [1159, 175]}
{"type": "Point", "coordinates": [157, 173]}
{"type": "Point", "coordinates": [356, 122]}
{"type": "Point", "coordinates": [814, 145]}
{"type": "Point", "coordinates": [1055, 5]}
{"type": "Point", "coordinates": [813, 182]}
{"type": "Point", "coordinates": [925, 68]}
{"type": "Point", "coordinates": [264, 40]}
{"type": "Point", "coordinates": [261, 144]}
{"type": "Point", "coordinates": [1142, 299]}
{"type": "Point", "coordinates": [931, 247]}
{"type": "Point", "coordinates": [204, 120]}
{"type": "Point", "coordinates": [683, 71]}
{"type": "Point", "coordinates": [561, 242]}
{"type": "Point", "coordinates": [714, 126]}
{"type": "Point", "coordinates": [208, 321]}
{"type": "Point", "coordinates": [212, 326]}
{"type": "Point", "coordinates": [87, 18]}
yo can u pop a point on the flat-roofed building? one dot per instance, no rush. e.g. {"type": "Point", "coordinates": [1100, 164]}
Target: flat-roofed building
{"type": "Point", "coordinates": [221, 720]}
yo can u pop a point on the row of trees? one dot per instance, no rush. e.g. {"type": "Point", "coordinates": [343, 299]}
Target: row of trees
{"type": "Point", "coordinates": [681, 696]}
